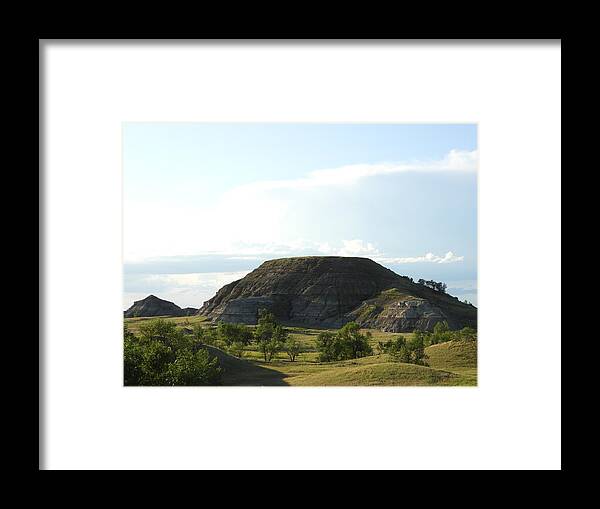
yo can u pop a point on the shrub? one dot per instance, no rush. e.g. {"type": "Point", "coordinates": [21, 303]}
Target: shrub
{"type": "Point", "coordinates": [328, 346]}
{"type": "Point", "coordinates": [292, 348]}
{"type": "Point", "coordinates": [355, 344]}
{"type": "Point", "coordinates": [237, 349]}
{"type": "Point", "coordinates": [441, 333]}
{"type": "Point", "coordinates": [193, 368]}
{"type": "Point", "coordinates": [164, 355]}
{"type": "Point", "coordinates": [347, 343]}
{"type": "Point", "coordinates": [416, 349]}
{"type": "Point", "coordinates": [231, 333]}
{"type": "Point", "coordinates": [269, 348]}
{"type": "Point", "coordinates": [401, 350]}
{"type": "Point", "coordinates": [265, 327]}
{"type": "Point", "coordinates": [393, 346]}
{"type": "Point", "coordinates": [209, 336]}
{"type": "Point", "coordinates": [157, 329]}
{"type": "Point", "coordinates": [270, 337]}
{"type": "Point", "coordinates": [280, 334]}
{"type": "Point", "coordinates": [198, 332]}
{"type": "Point", "coordinates": [466, 334]}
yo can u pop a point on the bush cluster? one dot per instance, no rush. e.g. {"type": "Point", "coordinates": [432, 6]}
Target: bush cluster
{"type": "Point", "coordinates": [269, 337]}
{"type": "Point", "coordinates": [401, 350]}
{"type": "Point", "coordinates": [347, 343]}
{"type": "Point", "coordinates": [163, 354]}
{"type": "Point", "coordinates": [413, 351]}
{"type": "Point", "coordinates": [442, 334]}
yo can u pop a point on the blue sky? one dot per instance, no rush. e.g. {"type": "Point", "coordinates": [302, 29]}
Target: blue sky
{"type": "Point", "coordinates": [206, 203]}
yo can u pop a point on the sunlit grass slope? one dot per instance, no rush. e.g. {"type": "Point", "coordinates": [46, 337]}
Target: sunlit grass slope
{"type": "Point", "coordinates": [449, 364]}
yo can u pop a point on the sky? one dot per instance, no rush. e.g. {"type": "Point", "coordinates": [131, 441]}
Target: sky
{"type": "Point", "coordinates": [206, 203]}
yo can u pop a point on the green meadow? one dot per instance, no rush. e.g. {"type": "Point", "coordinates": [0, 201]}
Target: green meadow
{"type": "Point", "coordinates": [451, 363]}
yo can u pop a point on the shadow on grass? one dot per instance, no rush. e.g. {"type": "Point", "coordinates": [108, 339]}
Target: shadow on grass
{"type": "Point", "coordinates": [241, 372]}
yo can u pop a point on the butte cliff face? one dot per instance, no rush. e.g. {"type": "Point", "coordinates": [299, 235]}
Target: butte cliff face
{"type": "Point", "coordinates": [153, 306]}
{"type": "Point", "coordinates": [328, 291]}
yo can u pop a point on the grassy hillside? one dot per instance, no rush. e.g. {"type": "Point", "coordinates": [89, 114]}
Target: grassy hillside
{"type": "Point", "coordinates": [453, 354]}
{"type": "Point", "coordinates": [376, 370]}
{"type": "Point", "coordinates": [133, 324]}
{"type": "Point", "coordinates": [450, 364]}
{"type": "Point", "coordinates": [460, 357]}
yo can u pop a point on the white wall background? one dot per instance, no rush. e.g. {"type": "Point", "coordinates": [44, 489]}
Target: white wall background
{"type": "Point", "coordinates": [512, 420]}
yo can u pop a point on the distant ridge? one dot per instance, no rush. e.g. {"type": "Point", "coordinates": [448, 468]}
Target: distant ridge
{"type": "Point", "coordinates": [153, 306]}
{"type": "Point", "coordinates": [328, 291]}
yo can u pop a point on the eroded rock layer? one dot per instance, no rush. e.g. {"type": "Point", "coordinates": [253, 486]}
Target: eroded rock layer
{"type": "Point", "coordinates": [328, 291]}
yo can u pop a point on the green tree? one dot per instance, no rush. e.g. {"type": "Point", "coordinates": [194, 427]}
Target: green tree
{"type": "Point", "coordinates": [402, 350]}
{"type": "Point", "coordinates": [292, 348]}
{"type": "Point", "coordinates": [269, 348]}
{"type": "Point", "coordinates": [441, 327]}
{"type": "Point", "coordinates": [164, 355]}
{"type": "Point", "coordinates": [155, 359]}
{"type": "Point", "coordinates": [230, 333]}
{"type": "Point", "coordinates": [347, 343]}
{"type": "Point", "coordinates": [273, 348]}
{"type": "Point", "coordinates": [441, 333]}
{"type": "Point", "coordinates": [237, 349]}
{"type": "Point", "coordinates": [280, 334]}
{"type": "Point", "coordinates": [193, 368]}
{"type": "Point", "coordinates": [328, 346]}
{"type": "Point", "coordinates": [403, 355]}
{"type": "Point", "coordinates": [382, 347]}
{"type": "Point", "coordinates": [270, 336]}
{"type": "Point", "coordinates": [467, 334]}
{"type": "Point", "coordinates": [159, 329]}
{"type": "Point", "coordinates": [126, 332]}
{"type": "Point", "coordinates": [394, 346]}
{"type": "Point", "coordinates": [209, 336]}
{"type": "Point", "coordinates": [198, 332]}
{"type": "Point", "coordinates": [132, 359]}
{"type": "Point", "coordinates": [354, 344]}
{"type": "Point", "coordinates": [265, 326]}
{"type": "Point", "coordinates": [416, 347]}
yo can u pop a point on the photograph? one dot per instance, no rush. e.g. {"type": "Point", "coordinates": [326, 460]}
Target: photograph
{"type": "Point", "coordinates": [300, 254]}
{"type": "Point", "coordinates": [300, 241]}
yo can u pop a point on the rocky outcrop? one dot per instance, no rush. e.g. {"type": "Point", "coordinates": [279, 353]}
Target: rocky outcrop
{"type": "Point", "coordinates": [328, 291]}
{"type": "Point", "coordinates": [392, 311]}
{"type": "Point", "coordinates": [153, 306]}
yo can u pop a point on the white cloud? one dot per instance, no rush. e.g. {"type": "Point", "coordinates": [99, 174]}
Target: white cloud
{"type": "Point", "coordinates": [249, 250]}
{"type": "Point", "coordinates": [257, 213]}
{"type": "Point", "coordinates": [354, 247]}
{"type": "Point", "coordinates": [300, 247]}
{"type": "Point", "coordinates": [196, 279]}
{"type": "Point", "coordinates": [193, 289]}
{"type": "Point", "coordinates": [455, 160]}
{"type": "Point", "coordinates": [185, 290]}
{"type": "Point", "coordinates": [358, 247]}
{"type": "Point", "coordinates": [449, 257]}
{"type": "Point", "coordinates": [460, 160]}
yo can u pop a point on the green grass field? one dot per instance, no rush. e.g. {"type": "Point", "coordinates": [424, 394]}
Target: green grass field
{"type": "Point", "coordinates": [449, 364]}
